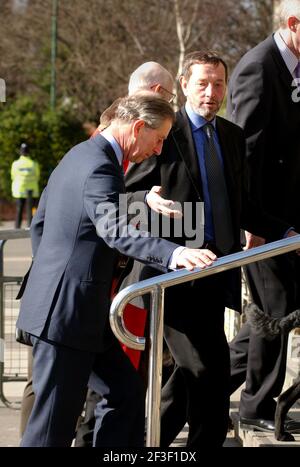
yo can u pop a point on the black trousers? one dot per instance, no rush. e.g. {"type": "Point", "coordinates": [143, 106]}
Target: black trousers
{"type": "Point", "coordinates": [198, 390]}
{"type": "Point", "coordinates": [20, 204]}
{"type": "Point", "coordinates": [274, 285]}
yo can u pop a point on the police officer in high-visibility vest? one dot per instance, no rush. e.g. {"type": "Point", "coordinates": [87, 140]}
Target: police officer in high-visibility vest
{"type": "Point", "coordinates": [25, 175]}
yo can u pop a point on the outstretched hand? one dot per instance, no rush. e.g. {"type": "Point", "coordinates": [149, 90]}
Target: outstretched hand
{"type": "Point", "coordinates": [163, 206]}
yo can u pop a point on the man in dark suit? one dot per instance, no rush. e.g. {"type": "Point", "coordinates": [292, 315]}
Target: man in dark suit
{"type": "Point", "coordinates": [77, 228]}
{"type": "Point", "coordinates": [202, 152]}
{"type": "Point", "coordinates": [263, 99]}
{"type": "Point", "coordinates": [150, 76]}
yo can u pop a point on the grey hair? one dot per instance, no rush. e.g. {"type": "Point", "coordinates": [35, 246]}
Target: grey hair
{"type": "Point", "coordinates": [149, 74]}
{"type": "Point", "coordinates": [286, 9]}
{"type": "Point", "coordinates": [147, 106]}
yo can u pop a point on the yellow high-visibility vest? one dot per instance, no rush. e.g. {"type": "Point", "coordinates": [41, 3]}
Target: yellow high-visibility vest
{"type": "Point", "coordinates": [25, 175]}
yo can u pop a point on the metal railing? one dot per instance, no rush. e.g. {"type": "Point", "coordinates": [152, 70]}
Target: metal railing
{"type": "Point", "coordinates": [14, 368]}
{"type": "Point", "coordinates": [156, 286]}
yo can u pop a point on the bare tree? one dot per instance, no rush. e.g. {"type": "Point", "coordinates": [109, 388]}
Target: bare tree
{"type": "Point", "coordinates": [100, 42]}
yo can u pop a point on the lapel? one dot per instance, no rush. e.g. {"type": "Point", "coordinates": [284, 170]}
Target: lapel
{"type": "Point", "coordinates": [183, 139]}
{"type": "Point", "coordinates": [282, 70]}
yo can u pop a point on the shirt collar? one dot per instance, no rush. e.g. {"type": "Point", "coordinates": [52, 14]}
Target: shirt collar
{"type": "Point", "coordinates": [197, 121]}
{"type": "Point", "coordinates": [289, 58]}
{"type": "Point", "coordinates": [115, 145]}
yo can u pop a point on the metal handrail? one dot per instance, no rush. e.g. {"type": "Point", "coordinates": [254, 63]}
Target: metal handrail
{"type": "Point", "coordinates": [156, 286]}
{"type": "Point", "coordinates": [14, 234]}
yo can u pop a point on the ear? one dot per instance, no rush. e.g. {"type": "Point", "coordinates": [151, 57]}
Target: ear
{"type": "Point", "coordinates": [137, 126]}
{"type": "Point", "coordinates": [183, 83]}
{"type": "Point", "coordinates": [292, 23]}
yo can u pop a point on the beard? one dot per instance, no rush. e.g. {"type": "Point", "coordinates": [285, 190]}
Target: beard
{"type": "Point", "coordinates": [206, 113]}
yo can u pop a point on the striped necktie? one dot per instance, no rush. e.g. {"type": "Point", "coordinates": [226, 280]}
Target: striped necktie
{"type": "Point", "coordinates": [220, 205]}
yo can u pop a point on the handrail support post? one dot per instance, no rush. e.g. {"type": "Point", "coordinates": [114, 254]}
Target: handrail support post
{"type": "Point", "coordinates": [155, 366]}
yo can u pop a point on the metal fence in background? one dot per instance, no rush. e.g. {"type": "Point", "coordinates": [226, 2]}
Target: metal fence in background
{"type": "Point", "coordinates": [13, 356]}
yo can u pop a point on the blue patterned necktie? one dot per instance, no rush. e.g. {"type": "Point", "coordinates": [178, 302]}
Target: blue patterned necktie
{"type": "Point", "coordinates": [220, 205]}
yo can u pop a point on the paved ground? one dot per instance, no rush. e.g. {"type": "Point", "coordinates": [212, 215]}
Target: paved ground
{"type": "Point", "coordinates": [9, 426]}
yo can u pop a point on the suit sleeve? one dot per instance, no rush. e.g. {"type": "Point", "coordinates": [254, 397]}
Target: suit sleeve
{"type": "Point", "coordinates": [258, 222]}
{"type": "Point", "coordinates": [106, 206]}
{"type": "Point", "coordinates": [36, 232]}
{"type": "Point", "coordinates": [249, 106]}
{"type": "Point", "coordinates": [253, 217]}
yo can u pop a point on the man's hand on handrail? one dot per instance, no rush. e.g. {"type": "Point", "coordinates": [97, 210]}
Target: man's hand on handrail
{"type": "Point", "coordinates": [253, 241]}
{"type": "Point", "coordinates": [292, 233]}
{"type": "Point", "coordinates": [191, 258]}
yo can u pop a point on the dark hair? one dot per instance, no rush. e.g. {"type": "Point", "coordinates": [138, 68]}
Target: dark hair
{"type": "Point", "coordinates": [202, 56]}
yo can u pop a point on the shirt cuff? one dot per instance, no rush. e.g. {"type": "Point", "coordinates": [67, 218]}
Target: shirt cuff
{"type": "Point", "coordinates": [173, 260]}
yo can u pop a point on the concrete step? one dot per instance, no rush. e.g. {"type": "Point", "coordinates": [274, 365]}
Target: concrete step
{"type": "Point", "coordinates": [259, 439]}
{"type": "Point", "coordinates": [230, 442]}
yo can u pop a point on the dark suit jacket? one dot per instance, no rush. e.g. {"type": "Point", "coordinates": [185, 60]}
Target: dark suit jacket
{"type": "Point", "coordinates": [67, 295]}
{"type": "Point", "coordinates": [177, 171]}
{"type": "Point", "coordinates": [260, 101]}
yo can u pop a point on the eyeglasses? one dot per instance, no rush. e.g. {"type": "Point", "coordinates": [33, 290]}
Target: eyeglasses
{"type": "Point", "coordinates": [169, 94]}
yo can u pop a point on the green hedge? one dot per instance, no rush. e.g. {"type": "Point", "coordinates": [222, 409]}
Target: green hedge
{"type": "Point", "coordinates": [49, 136]}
